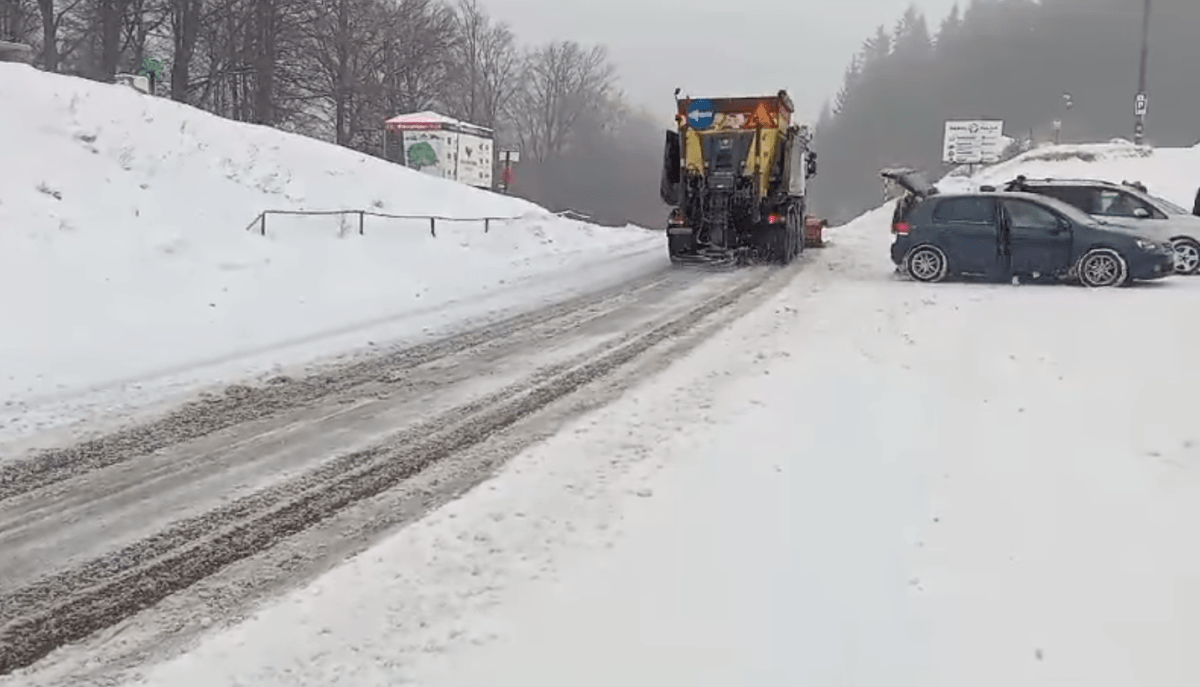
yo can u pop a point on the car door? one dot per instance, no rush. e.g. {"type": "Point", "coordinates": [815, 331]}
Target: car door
{"type": "Point", "coordinates": [967, 232]}
{"type": "Point", "coordinates": [1039, 240]}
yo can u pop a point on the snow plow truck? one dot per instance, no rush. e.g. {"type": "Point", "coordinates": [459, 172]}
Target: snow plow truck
{"type": "Point", "coordinates": [735, 171]}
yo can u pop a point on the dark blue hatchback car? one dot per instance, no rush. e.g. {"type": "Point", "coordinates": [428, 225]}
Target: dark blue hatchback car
{"type": "Point", "coordinates": [999, 235]}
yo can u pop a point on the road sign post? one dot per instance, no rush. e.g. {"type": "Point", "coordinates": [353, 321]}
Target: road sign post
{"type": "Point", "coordinates": [1140, 105]}
{"type": "Point", "coordinates": [1139, 129]}
{"type": "Point", "coordinates": [510, 157]}
{"type": "Point", "coordinates": [973, 142]}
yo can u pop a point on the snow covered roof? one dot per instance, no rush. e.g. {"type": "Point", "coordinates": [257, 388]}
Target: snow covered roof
{"type": "Point", "coordinates": [422, 121]}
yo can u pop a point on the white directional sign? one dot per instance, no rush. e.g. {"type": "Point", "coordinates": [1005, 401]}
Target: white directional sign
{"type": "Point", "coordinates": [973, 142]}
{"type": "Point", "coordinates": [1139, 106]}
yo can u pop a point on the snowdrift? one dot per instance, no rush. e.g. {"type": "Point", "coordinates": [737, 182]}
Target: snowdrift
{"type": "Point", "coordinates": [125, 255]}
{"type": "Point", "coordinates": [1171, 173]}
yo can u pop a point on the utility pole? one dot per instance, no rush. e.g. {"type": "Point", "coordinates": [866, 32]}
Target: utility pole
{"type": "Point", "coordinates": [1139, 129]}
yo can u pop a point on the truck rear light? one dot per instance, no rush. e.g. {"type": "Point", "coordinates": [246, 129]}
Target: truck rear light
{"type": "Point", "coordinates": [901, 228]}
{"type": "Point", "coordinates": [676, 219]}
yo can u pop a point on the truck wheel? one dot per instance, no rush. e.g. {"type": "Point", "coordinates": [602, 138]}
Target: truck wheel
{"type": "Point", "coordinates": [796, 226]}
{"type": "Point", "coordinates": [782, 245]}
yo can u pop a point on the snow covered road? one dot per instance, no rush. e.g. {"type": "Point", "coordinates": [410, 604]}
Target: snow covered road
{"type": "Point", "coordinates": [863, 482]}
{"type": "Point", "coordinates": [94, 533]}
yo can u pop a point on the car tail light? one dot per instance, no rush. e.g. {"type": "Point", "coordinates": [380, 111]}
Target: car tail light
{"type": "Point", "coordinates": [901, 228]}
{"type": "Point", "coordinates": [773, 219]}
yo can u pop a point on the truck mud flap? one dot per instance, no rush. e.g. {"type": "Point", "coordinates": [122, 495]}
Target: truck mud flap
{"type": "Point", "coordinates": [716, 259]}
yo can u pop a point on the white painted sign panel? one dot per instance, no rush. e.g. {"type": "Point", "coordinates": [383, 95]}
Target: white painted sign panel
{"type": "Point", "coordinates": [973, 142]}
{"type": "Point", "coordinates": [474, 161]}
{"type": "Point", "coordinates": [430, 152]}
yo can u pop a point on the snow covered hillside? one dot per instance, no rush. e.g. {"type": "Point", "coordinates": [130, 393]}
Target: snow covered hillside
{"type": "Point", "coordinates": [125, 264]}
{"type": "Point", "coordinates": [1172, 173]}
{"type": "Point", "coordinates": [865, 482]}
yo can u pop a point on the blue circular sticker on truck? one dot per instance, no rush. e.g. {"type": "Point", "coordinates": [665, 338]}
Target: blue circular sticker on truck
{"type": "Point", "coordinates": [700, 114]}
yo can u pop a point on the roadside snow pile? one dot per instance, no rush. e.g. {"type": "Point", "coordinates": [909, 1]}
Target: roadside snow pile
{"type": "Point", "coordinates": [1167, 172]}
{"type": "Point", "coordinates": [124, 252]}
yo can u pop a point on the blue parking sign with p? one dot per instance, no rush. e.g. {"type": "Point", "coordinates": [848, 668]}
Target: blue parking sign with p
{"type": "Point", "coordinates": [700, 114]}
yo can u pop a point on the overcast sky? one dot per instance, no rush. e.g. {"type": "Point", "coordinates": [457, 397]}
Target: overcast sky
{"type": "Point", "coordinates": [717, 47]}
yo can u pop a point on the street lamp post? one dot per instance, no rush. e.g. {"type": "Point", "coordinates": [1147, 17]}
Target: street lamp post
{"type": "Point", "coordinates": [1068, 103]}
{"type": "Point", "coordinates": [1139, 129]}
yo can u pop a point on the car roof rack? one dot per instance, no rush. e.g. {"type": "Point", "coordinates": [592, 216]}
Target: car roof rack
{"type": "Point", "coordinates": [1069, 180]}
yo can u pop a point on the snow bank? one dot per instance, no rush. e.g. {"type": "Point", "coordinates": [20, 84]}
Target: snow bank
{"type": "Point", "coordinates": [1172, 173]}
{"type": "Point", "coordinates": [124, 256]}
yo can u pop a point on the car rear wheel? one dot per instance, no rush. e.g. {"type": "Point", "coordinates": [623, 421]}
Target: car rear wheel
{"type": "Point", "coordinates": [1102, 267]}
{"type": "Point", "coordinates": [926, 264]}
{"type": "Point", "coordinates": [1187, 255]}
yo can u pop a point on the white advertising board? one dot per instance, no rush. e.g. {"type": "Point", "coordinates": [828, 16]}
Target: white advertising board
{"type": "Point", "coordinates": [474, 160]}
{"type": "Point", "coordinates": [973, 142]}
{"type": "Point", "coordinates": [450, 155]}
{"type": "Point", "coordinates": [430, 152]}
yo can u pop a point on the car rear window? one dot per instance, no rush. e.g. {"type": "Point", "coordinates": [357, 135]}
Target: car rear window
{"type": "Point", "coordinates": [964, 211]}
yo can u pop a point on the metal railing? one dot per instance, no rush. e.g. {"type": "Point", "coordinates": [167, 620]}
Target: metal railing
{"type": "Point", "coordinates": [261, 221]}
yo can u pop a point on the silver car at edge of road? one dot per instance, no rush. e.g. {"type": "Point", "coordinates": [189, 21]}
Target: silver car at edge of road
{"type": "Point", "coordinates": [1130, 206]}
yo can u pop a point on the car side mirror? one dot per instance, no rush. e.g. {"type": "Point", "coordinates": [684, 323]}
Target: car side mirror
{"type": "Point", "coordinates": [1063, 225]}
{"type": "Point", "coordinates": [1141, 213]}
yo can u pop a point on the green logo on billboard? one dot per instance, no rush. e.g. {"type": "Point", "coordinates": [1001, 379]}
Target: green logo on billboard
{"type": "Point", "coordinates": [421, 155]}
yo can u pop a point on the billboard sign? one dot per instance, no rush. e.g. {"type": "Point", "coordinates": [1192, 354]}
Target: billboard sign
{"type": "Point", "coordinates": [972, 142]}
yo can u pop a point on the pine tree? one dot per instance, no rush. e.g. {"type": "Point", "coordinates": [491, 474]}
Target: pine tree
{"type": "Point", "coordinates": [950, 29]}
{"type": "Point", "coordinates": [875, 52]}
{"type": "Point", "coordinates": [850, 82]}
{"type": "Point", "coordinates": [912, 42]}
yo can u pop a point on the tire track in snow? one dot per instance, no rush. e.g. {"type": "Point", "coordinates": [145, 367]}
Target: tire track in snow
{"type": "Point", "coordinates": [72, 605]}
{"type": "Point", "coordinates": [242, 404]}
{"type": "Point", "coordinates": [62, 525]}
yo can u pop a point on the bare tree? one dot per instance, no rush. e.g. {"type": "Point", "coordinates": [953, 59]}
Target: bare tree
{"type": "Point", "coordinates": [561, 82]}
{"type": "Point", "coordinates": [18, 20]}
{"type": "Point", "coordinates": [264, 57]}
{"type": "Point", "coordinates": [486, 66]}
{"type": "Point", "coordinates": [54, 15]}
{"type": "Point", "coordinates": [144, 22]}
{"type": "Point", "coordinates": [185, 18]}
{"type": "Point", "coordinates": [500, 73]}
{"type": "Point", "coordinates": [248, 59]}
{"type": "Point", "coordinates": [111, 18]}
{"type": "Point", "coordinates": [417, 55]}
{"type": "Point", "coordinates": [345, 40]}
{"type": "Point", "coordinates": [471, 25]}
